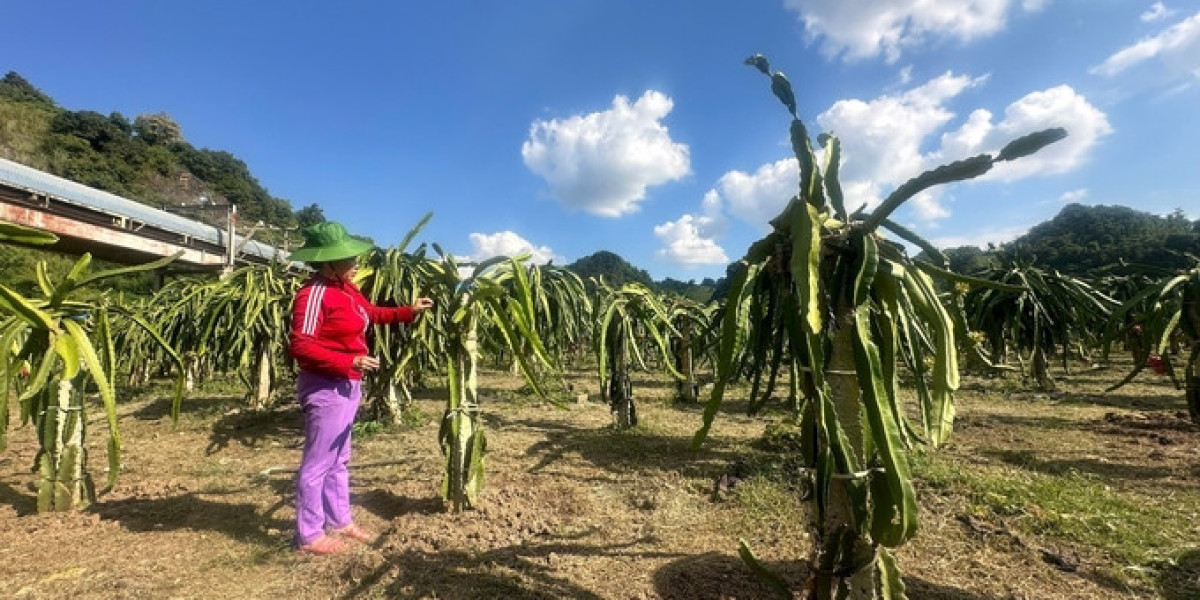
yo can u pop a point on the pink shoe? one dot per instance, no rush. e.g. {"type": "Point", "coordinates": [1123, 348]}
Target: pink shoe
{"type": "Point", "coordinates": [323, 546]}
{"type": "Point", "coordinates": [356, 533]}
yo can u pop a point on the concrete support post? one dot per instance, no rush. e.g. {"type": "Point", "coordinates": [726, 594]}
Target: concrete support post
{"type": "Point", "coordinates": [232, 220]}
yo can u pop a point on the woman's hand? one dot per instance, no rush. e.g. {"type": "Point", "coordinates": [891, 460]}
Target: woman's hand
{"type": "Point", "coordinates": [422, 304]}
{"type": "Point", "coordinates": [365, 363]}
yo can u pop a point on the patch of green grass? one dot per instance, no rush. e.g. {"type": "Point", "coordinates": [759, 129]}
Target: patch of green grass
{"type": "Point", "coordinates": [778, 456]}
{"type": "Point", "coordinates": [410, 418]}
{"type": "Point", "coordinates": [526, 396]}
{"type": "Point", "coordinates": [221, 385]}
{"type": "Point", "coordinates": [1131, 528]}
{"type": "Point", "coordinates": [211, 468]}
{"type": "Point", "coordinates": [263, 553]}
{"type": "Point", "coordinates": [768, 509]}
{"type": "Point", "coordinates": [413, 417]}
{"type": "Point", "coordinates": [255, 554]}
{"type": "Point", "coordinates": [365, 429]}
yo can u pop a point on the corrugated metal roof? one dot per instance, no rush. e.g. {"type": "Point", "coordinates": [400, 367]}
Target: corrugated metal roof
{"type": "Point", "coordinates": [30, 179]}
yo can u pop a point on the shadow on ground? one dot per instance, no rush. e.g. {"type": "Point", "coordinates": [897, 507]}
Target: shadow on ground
{"type": "Point", "coordinates": [715, 576]}
{"type": "Point", "coordinates": [1181, 580]}
{"type": "Point", "coordinates": [925, 590]}
{"type": "Point", "coordinates": [522, 571]}
{"type": "Point", "coordinates": [1038, 422]}
{"type": "Point", "coordinates": [1115, 471]}
{"type": "Point", "coordinates": [24, 504]}
{"type": "Point", "coordinates": [199, 407]}
{"type": "Point", "coordinates": [388, 506]}
{"type": "Point", "coordinates": [380, 502]}
{"type": "Point", "coordinates": [612, 449]}
{"type": "Point", "coordinates": [190, 512]}
{"type": "Point", "coordinates": [1166, 401]}
{"type": "Point", "coordinates": [252, 429]}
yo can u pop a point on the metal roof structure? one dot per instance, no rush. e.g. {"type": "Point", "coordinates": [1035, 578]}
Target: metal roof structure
{"type": "Point", "coordinates": [40, 191]}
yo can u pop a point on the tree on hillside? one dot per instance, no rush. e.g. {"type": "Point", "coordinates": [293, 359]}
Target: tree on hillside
{"type": "Point", "coordinates": [699, 292]}
{"type": "Point", "coordinates": [15, 87]}
{"type": "Point", "coordinates": [100, 132]}
{"type": "Point", "coordinates": [157, 129]}
{"type": "Point", "coordinates": [309, 215]}
{"type": "Point", "coordinates": [721, 287]}
{"type": "Point", "coordinates": [229, 176]}
{"type": "Point", "coordinates": [964, 259]}
{"type": "Point", "coordinates": [95, 150]}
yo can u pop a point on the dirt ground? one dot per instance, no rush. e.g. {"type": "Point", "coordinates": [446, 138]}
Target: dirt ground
{"type": "Point", "coordinates": [571, 508]}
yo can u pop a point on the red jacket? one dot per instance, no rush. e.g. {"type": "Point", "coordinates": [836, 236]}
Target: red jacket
{"type": "Point", "coordinates": [329, 326]}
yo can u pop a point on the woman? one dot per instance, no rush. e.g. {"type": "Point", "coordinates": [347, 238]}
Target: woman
{"type": "Point", "coordinates": [330, 319]}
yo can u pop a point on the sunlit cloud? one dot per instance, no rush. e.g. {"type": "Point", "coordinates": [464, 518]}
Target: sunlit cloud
{"type": "Point", "coordinates": [889, 28]}
{"type": "Point", "coordinates": [758, 197]}
{"type": "Point", "coordinates": [687, 243]}
{"type": "Point", "coordinates": [1157, 12]}
{"type": "Point", "coordinates": [603, 162]}
{"type": "Point", "coordinates": [982, 237]}
{"type": "Point", "coordinates": [691, 240]}
{"type": "Point", "coordinates": [507, 243]}
{"type": "Point", "coordinates": [1073, 196]}
{"type": "Point", "coordinates": [1174, 54]}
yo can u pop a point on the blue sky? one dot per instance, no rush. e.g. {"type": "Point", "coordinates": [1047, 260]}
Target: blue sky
{"type": "Point", "coordinates": [565, 127]}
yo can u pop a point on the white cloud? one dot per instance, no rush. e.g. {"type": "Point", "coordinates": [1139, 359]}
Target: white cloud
{"type": "Point", "coordinates": [691, 240]}
{"type": "Point", "coordinates": [868, 28]}
{"type": "Point", "coordinates": [1156, 12]}
{"type": "Point", "coordinates": [603, 162]}
{"type": "Point", "coordinates": [711, 207]}
{"type": "Point", "coordinates": [687, 242]}
{"type": "Point", "coordinates": [758, 197]}
{"type": "Point", "coordinates": [1176, 48]}
{"type": "Point", "coordinates": [928, 207]}
{"type": "Point", "coordinates": [507, 243]}
{"type": "Point", "coordinates": [1073, 196]}
{"type": "Point", "coordinates": [981, 238]}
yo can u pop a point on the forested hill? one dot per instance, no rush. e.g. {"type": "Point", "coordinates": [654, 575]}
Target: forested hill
{"type": "Point", "coordinates": [616, 272]}
{"type": "Point", "coordinates": [1082, 239]}
{"type": "Point", "coordinates": [146, 159]}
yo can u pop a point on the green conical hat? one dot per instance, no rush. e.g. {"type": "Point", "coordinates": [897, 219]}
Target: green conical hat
{"type": "Point", "coordinates": [328, 241]}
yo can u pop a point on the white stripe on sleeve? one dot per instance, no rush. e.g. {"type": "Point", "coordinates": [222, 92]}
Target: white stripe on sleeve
{"type": "Point", "coordinates": [313, 311]}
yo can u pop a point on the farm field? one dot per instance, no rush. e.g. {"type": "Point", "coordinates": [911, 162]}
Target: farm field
{"type": "Point", "coordinates": [1072, 494]}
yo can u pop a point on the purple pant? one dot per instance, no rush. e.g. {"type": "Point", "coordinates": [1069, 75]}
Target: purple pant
{"type": "Point", "coordinates": [323, 483]}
